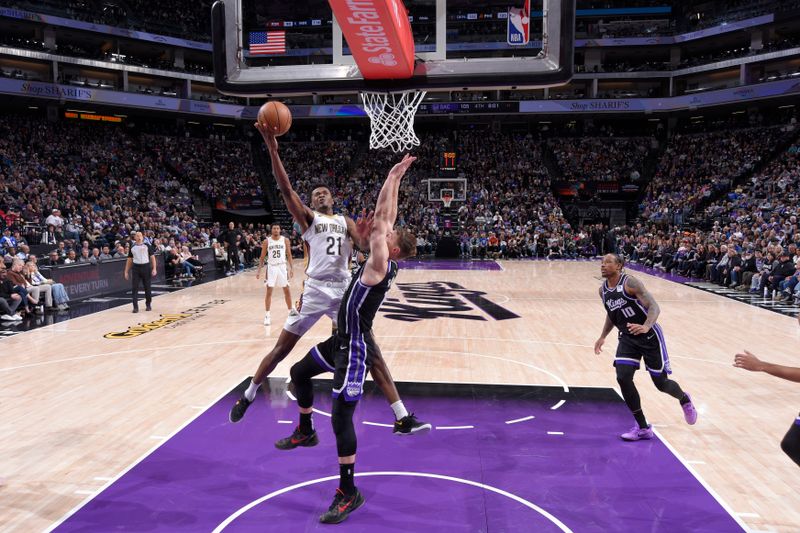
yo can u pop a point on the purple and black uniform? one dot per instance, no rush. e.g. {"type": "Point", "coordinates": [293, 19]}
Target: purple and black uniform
{"type": "Point", "coordinates": [624, 309]}
{"type": "Point", "coordinates": [349, 353]}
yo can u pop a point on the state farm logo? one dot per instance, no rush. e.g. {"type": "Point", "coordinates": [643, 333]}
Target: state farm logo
{"type": "Point", "coordinates": [165, 320]}
{"type": "Point", "coordinates": [387, 60]}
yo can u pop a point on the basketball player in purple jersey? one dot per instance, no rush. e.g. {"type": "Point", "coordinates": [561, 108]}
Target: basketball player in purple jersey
{"type": "Point", "coordinates": [350, 352]}
{"type": "Point", "coordinates": [634, 312]}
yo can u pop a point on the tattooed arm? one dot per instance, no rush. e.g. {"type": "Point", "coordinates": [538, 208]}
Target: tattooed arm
{"type": "Point", "coordinates": [635, 288]}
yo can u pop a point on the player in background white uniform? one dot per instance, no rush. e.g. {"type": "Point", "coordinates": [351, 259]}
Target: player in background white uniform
{"type": "Point", "coordinates": [328, 248]}
{"type": "Point", "coordinates": [278, 252]}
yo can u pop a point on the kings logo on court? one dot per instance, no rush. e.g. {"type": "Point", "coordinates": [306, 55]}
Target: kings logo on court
{"type": "Point", "coordinates": [442, 299]}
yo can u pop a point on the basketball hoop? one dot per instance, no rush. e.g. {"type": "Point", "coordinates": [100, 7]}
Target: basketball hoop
{"type": "Point", "coordinates": [447, 200]}
{"type": "Point", "coordinates": [391, 118]}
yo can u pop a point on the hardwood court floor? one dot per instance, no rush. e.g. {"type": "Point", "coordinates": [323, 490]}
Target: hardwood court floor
{"type": "Point", "coordinates": [77, 409]}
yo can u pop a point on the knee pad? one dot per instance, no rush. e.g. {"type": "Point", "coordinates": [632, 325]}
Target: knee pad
{"type": "Point", "coordinates": [625, 373]}
{"type": "Point", "coordinates": [296, 372]}
{"type": "Point", "coordinates": [342, 415]}
{"type": "Point", "coordinates": [342, 422]}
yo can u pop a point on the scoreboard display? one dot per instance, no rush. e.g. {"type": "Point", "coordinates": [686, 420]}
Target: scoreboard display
{"type": "Point", "coordinates": [447, 161]}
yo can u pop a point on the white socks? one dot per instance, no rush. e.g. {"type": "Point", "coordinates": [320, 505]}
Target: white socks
{"type": "Point", "coordinates": [250, 393]}
{"type": "Point", "coordinates": [398, 408]}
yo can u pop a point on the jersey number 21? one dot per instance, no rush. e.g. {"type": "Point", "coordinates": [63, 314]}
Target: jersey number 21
{"type": "Point", "coordinates": [334, 246]}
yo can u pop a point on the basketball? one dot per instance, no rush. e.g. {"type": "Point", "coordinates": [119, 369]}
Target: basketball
{"type": "Point", "coordinates": [276, 116]}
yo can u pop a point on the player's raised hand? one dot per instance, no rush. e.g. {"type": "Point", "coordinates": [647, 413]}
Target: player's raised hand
{"type": "Point", "coordinates": [747, 361]}
{"type": "Point", "coordinates": [400, 168]}
{"type": "Point", "coordinates": [364, 223]}
{"type": "Point", "coordinates": [598, 345]}
{"type": "Point", "coordinates": [269, 138]}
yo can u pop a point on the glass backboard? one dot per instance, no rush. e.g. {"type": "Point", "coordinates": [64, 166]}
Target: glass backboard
{"type": "Point", "coordinates": [273, 47]}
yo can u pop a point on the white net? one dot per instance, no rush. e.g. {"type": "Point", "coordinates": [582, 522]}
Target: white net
{"type": "Point", "coordinates": [392, 119]}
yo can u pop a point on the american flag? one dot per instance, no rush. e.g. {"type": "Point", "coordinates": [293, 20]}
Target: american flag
{"type": "Point", "coordinates": [267, 42]}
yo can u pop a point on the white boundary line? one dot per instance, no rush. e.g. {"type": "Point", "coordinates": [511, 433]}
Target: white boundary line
{"type": "Point", "coordinates": [558, 379]}
{"type": "Point", "coordinates": [692, 471]}
{"type": "Point", "coordinates": [136, 462]}
{"type": "Point", "coordinates": [445, 382]}
{"type": "Point", "coordinates": [284, 490]}
{"type": "Point", "coordinates": [596, 299]}
{"type": "Point", "coordinates": [245, 341]}
{"type": "Point", "coordinates": [555, 432]}
{"type": "Point", "coordinates": [455, 427]}
{"type": "Point", "coordinates": [559, 404]}
{"type": "Point", "coordinates": [377, 424]}
{"type": "Point", "coordinates": [310, 337]}
{"type": "Point", "coordinates": [121, 352]}
{"type": "Point", "coordinates": [518, 420]}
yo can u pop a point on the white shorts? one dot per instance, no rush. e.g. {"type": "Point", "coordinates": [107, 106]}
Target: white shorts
{"type": "Point", "coordinates": [276, 276]}
{"type": "Point", "coordinates": [319, 298]}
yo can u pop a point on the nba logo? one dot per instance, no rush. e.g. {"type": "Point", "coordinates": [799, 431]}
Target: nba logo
{"type": "Point", "coordinates": [519, 24]}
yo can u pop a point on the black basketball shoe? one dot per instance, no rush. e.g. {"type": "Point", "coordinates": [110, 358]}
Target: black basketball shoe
{"type": "Point", "coordinates": [408, 425]}
{"type": "Point", "coordinates": [298, 438]}
{"type": "Point", "coordinates": [343, 504]}
{"type": "Point", "coordinates": [239, 409]}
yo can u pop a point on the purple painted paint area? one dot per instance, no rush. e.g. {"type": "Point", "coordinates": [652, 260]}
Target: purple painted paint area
{"type": "Point", "coordinates": [587, 478]}
{"type": "Point", "coordinates": [444, 264]}
{"type": "Point", "coordinates": [660, 273]}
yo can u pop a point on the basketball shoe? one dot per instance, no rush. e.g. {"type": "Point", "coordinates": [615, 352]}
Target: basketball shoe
{"type": "Point", "coordinates": [638, 433]}
{"type": "Point", "coordinates": [343, 504]}
{"type": "Point", "coordinates": [408, 425]}
{"type": "Point", "coordinates": [298, 438]}
{"type": "Point", "coordinates": [239, 409]}
{"type": "Point", "coordinates": [689, 411]}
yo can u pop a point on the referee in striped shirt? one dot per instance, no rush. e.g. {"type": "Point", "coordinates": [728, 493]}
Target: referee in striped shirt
{"type": "Point", "coordinates": [143, 263]}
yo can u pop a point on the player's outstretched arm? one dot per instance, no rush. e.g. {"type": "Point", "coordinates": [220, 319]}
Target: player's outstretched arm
{"type": "Point", "coordinates": [752, 363]}
{"type": "Point", "coordinates": [302, 214]}
{"type": "Point", "coordinates": [386, 206]}
{"type": "Point", "coordinates": [635, 288]}
{"type": "Point", "coordinates": [385, 215]}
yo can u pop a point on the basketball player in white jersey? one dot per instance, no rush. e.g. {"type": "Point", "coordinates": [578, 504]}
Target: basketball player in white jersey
{"type": "Point", "coordinates": [278, 252]}
{"type": "Point", "coordinates": [328, 248]}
